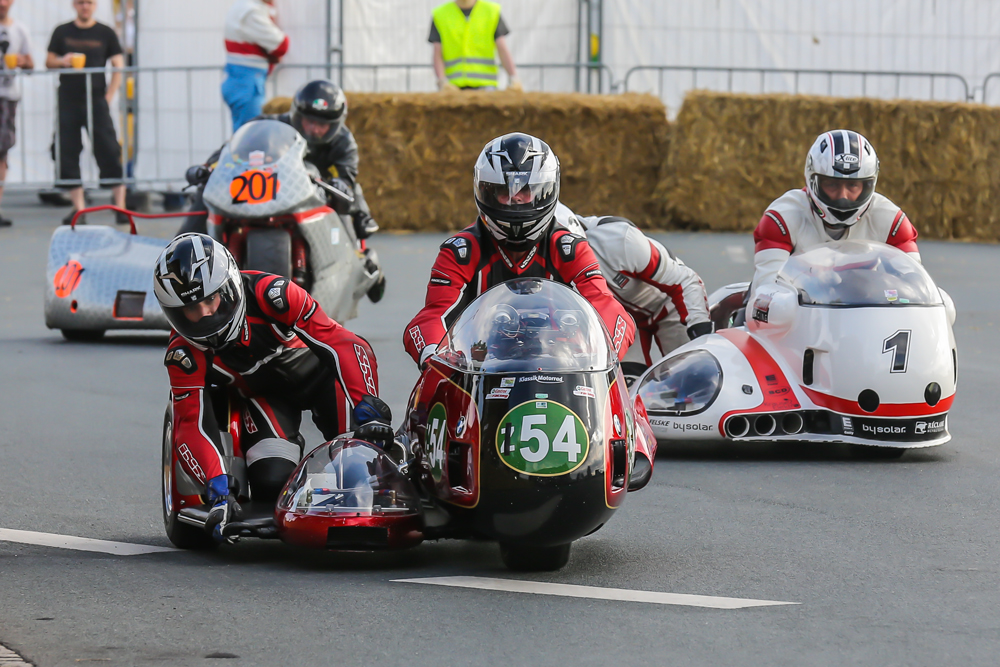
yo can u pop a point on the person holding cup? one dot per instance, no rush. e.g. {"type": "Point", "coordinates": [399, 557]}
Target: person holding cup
{"type": "Point", "coordinates": [16, 48]}
{"type": "Point", "coordinates": [86, 43]}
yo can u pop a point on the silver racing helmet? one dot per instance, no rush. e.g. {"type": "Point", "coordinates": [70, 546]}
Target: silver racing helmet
{"type": "Point", "coordinates": [516, 182]}
{"type": "Point", "coordinates": [839, 156]}
{"type": "Point", "coordinates": [200, 289]}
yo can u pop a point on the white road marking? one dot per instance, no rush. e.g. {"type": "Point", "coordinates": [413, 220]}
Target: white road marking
{"type": "Point", "coordinates": [9, 658]}
{"type": "Point", "coordinates": [737, 254]}
{"type": "Point", "coordinates": [568, 590]}
{"type": "Point", "coordinates": [78, 543]}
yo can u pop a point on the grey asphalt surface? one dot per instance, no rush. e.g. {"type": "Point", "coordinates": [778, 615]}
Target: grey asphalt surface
{"type": "Point", "coordinates": [894, 563]}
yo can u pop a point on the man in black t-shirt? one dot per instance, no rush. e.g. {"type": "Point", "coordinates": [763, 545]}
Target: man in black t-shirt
{"type": "Point", "coordinates": [97, 44]}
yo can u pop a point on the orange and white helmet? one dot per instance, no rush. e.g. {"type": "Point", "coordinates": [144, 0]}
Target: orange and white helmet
{"type": "Point", "coordinates": [841, 154]}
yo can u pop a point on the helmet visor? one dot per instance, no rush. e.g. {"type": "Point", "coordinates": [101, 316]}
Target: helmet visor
{"type": "Point", "coordinates": [208, 320]}
{"type": "Point", "coordinates": [517, 195]}
{"type": "Point", "coordinates": [844, 194]}
{"type": "Point", "coordinates": [314, 128]}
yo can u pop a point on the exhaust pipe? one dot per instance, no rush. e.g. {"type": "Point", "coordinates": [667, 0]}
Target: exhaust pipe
{"type": "Point", "coordinates": [764, 425]}
{"type": "Point", "coordinates": [737, 426]}
{"type": "Point", "coordinates": [791, 423]}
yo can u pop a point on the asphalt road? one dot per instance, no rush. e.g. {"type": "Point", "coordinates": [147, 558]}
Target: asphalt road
{"type": "Point", "coordinates": [892, 563]}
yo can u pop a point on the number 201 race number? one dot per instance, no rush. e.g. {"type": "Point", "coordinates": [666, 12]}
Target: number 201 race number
{"type": "Point", "coordinates": [254, 187]}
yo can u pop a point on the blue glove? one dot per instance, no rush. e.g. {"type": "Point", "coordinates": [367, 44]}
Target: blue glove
{"type": "Point", "coordinates": [374, 420]}
{"type": "Point", "coordinates": [372, 408]}
{"type": "Point", "coordinates": [221, 496]}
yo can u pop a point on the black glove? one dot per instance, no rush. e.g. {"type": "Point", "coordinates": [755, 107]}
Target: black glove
{"type": "Point", "coordinates": [374, 419]}
{"type": "Point", "coordinates": [341, 200]}
{"type": "Point", "coordinates": [700, 329]}
{"type": "Point", "coordinates": [364, 225]}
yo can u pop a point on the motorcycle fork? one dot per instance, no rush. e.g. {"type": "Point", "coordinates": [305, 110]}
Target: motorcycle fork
{"type": "Point", "coordinates": [236, 241]}
{"type": "Point", "coordinates": [300, 260]}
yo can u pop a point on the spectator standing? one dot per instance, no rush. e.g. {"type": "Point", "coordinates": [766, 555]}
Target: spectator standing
{"type": "Point", "coordinates": [254, 45]}
{"type": "Point", "coordinates": [16, 48]}
{"type": "Point", "coordinates": [97, 44]}
{"type": "Point", "coordinates": [467, 36]}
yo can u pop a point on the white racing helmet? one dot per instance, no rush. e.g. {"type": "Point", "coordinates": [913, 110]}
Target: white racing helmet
{"type": "Point", "coordinates": [193, 268]}
{"type": "Point", "coordinates": [841, 154]}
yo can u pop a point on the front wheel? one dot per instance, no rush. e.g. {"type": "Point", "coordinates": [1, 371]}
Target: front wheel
{"type": "Point", "coordinates": [83, 335]}
{"type": "Point", "coordinates": [181, 535]}
{"type": "Point", "coordinates": [523, 558]}
{"type": "Point", "coordinates": [632, 370]}
{"type": "Point", "coordinates": [872, 453]}
{"type": "Point", "coordinates": [269, 251]}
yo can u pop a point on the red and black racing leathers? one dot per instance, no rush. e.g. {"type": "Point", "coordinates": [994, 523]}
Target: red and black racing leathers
{"type": "Point", "coordinates": [290, 357]}
{"type": "Point", "coordinates": [471, 262]}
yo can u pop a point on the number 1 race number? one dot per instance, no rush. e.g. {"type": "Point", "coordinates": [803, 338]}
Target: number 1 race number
{"type": "Point", "coordinates": [254, 187]}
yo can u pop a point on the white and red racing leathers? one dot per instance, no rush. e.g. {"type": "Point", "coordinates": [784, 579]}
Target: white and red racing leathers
{"type": "Point", "coordinates": [790, 227]}
{"type": "Point", "coordinates": [290, 357]}
{"type": "Point", "coordinates": [665, 297]}
{"type": "Point", "coordinates": [252, 37]}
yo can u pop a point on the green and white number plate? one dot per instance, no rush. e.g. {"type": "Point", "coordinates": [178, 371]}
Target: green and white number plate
{"type": "Point", "coordinates": [542, 438]}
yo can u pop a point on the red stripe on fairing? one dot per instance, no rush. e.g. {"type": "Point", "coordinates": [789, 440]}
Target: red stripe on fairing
{"type": "Point", "coordinates": [776, 392]}
{"type": "Point", "coordinates": [849, 407]}
{"type": "Point", "coordinates": [304, 215]}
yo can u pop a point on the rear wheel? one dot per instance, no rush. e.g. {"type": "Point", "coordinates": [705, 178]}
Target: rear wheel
{"type": "Point", "coordinates": [181, 535]}
{"type": "Point", "coordinates": [83, 335]}
{"type": "Point", "coordinates": [523, 558]}
{"type": "Point", "coordinates": [871, 453]}
{"type": "Point", "coordinates": [270, 251]}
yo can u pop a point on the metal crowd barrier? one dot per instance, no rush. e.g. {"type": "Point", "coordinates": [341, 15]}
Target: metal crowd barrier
{"type": "Point", "coordinates": [168, 118]}
{"type": "Point", "coordinates": [419, 77]}
{"type": "Point", "coordinates": [755, 80]}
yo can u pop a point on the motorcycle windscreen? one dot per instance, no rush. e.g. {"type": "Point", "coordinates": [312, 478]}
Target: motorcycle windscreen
{"type": "Point", "coordinates": [262, 143]}
{"type": "Point", "coordinates": [849, 274]}
{"type": "Point", "coordinates": [528, 325]}
{"type": "Point", "coordinates": [348, 476]}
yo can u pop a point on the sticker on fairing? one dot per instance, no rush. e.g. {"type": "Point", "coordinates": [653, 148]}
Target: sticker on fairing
{"type": "Point", "coordinates": [254, 187]}
{"type": "Point", "coordinates": [436, 440]}
{"type": "Point", "coordinates": [542, 439]}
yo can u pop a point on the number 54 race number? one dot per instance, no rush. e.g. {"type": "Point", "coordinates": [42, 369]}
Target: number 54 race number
{"type": "Point", "coordinates": [542, 438]}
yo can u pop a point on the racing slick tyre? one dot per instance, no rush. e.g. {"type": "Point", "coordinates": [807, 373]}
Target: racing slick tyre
{"type": "Point", "coordinates": [83, 335]}
{"type": "Point", "coordinates": [181, 535]}
{"type": "Point", "coordinates": [871, 453]}
{"type": "Point", "coordinates": [270, 251]}
{"type": "Point", "coordinates": [632, 370]}
{"type": "Point", "coordinates": [523, 558]}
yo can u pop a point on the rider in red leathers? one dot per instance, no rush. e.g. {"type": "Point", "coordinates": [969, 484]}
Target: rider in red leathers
{"type": "Point", "coordinates": [269, 339]}
{"type": "Point", "coordinates": [517, 189]}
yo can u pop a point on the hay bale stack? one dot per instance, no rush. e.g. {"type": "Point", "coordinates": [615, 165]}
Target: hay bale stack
{"type": "Point", "coordinates": [731, 155]}
{"type": "Point", "coordinates": [418, 151]}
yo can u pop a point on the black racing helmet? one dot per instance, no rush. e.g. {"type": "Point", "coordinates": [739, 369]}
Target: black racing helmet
{"type": "Point", "coordinates": [195, 270]}
{"type": "Point", "coordinates": [516, 182]}
{"type": "Point", "coordinates": [319, 109]}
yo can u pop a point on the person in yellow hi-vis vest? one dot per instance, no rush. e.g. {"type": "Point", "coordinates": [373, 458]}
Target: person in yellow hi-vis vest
{"type": "Point", "coordinates": [467, 36]}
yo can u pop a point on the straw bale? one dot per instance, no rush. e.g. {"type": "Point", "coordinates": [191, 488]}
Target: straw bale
{"type": "Point", "coordinates": [730, 155]}
{"type": "Point", "coordinates": [277, 105]}
{"type": "Point", "coordinates": [418, 150]}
